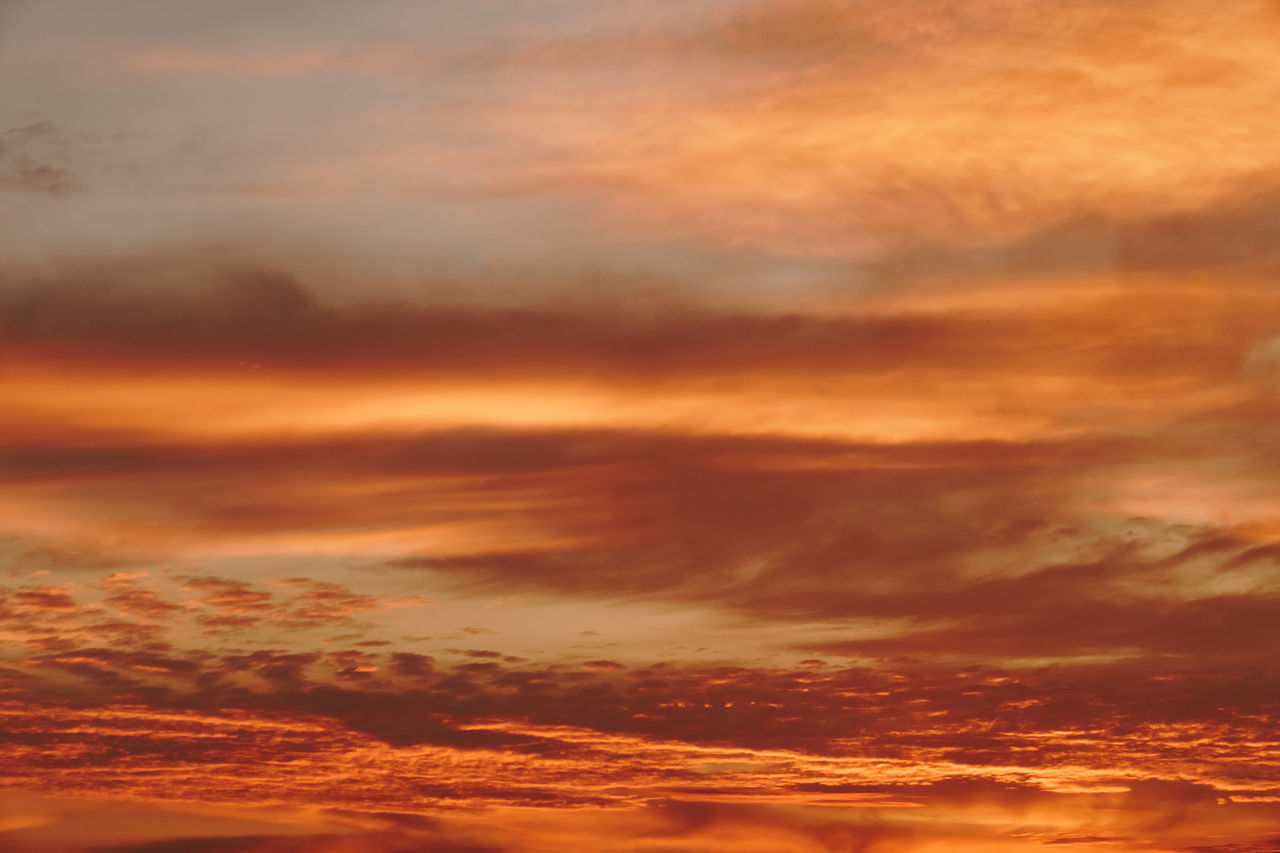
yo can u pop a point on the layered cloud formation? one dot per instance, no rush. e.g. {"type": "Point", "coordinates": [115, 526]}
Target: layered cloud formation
{"type": "Point", "coordinates": [729, 425]}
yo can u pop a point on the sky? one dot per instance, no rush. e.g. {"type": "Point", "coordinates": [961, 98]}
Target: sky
{"type": "Point", "coordinates": [644, 426]}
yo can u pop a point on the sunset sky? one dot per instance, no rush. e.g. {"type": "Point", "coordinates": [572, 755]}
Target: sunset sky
{"type": "Point", "coordinates": [639, 426]}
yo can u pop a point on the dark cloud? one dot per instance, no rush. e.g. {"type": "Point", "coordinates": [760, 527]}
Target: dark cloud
{"type": "Point", "coordinates": [979, 716]}
{"type": "Point", "coordinates": [1221, 626]}
{"type": "Point", "coordinates": [33, 157]}
{"type": "Point", "coordinates": [775, 529]}
{"type": "Point", "coordinates": [266, 321]}
{"type": "Point", "coordinates": [371, 842]}
{"type": "Point", "coordinates": [145, 603]}
{"type": "Point", "coordinates": [42, 598]}
{"type": "Point", "coordinates": [602, 665]}
{"type": "Point", "coordinates": [981, 739]}
{"type": "Point", "coordinates": [411, 664]}
{"type": "Point", "coordinates": [25, 554]}
{"type": "Point", "coordinates": [1236, 235]}
{"type": "Point", "coordinates": [236, 844]}
{"type": "Point", "coordinates": [1259, 847]}
{"type": "Point", "coordinates": [691, 819]}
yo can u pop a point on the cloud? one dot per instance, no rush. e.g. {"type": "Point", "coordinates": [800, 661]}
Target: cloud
{"type": "Point", "coordinates": [773, 529]}
{"type": "Point", "coordinates": [899, 752]}
{"type": "Point", "coordinates": [352, 843]}
{"type": "Point", "coordinates": [1232, 235]}
{"type": "Point", "coordinates": [32, 159]}
{"type": "Point", "coordinates": [959, 568]}
{"type": "Point", "coordinates": [269, 320]}
{"type": "Point", "coordinates": [971, 546]}
{"type": "Point", "coordinates": [845, 129]}
{"type": "Point", "coordinates": [956, 719]}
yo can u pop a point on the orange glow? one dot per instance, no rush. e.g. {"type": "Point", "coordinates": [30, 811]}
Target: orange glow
{"type": "Point", "coordinates": [733, 426]}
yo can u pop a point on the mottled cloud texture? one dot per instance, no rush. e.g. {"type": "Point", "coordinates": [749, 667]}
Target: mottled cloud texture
{"type": "Point", "coordinates": [727, 425]}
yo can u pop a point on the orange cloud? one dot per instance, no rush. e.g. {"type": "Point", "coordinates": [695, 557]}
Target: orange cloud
{"type": "Point", "coordinates": [970, 545]}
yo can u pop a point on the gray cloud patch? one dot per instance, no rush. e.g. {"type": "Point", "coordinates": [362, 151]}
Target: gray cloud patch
{"type": "Point", "coordinates": [32, 160]}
